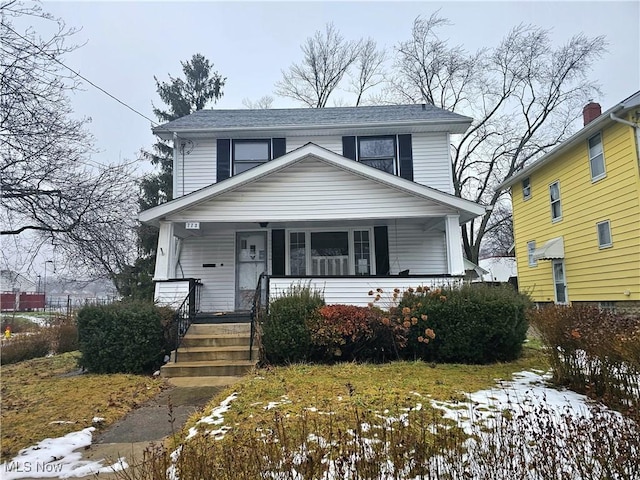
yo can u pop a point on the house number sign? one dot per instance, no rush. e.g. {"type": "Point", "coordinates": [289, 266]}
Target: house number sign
{"type": "Point", "coordinates": [192, 225]}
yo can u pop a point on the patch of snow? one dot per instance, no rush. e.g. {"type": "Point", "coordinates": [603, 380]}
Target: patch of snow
{"type": "Point", "coordinates": [57, 458]}
{"type": "Point", "coordinates": [215, 418]}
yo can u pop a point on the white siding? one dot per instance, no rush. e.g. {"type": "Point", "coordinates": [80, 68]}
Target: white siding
{"type": "Point", "coordinates": [355, 291]}
{"type": "Point", "coordinates": [423, 253]}
{"type": "Point", "coordinates": [432, 161]}
{"type": "Point", "coordinates": [199, 167]}
{"type": "Point", "coordinates": [330, 142]}
{"type": "Point", "coordinates": [218, 283]}
{"type": "Point", "coordinates": [311, 190]}
{"type": "Point", "coordinates": [171, 294]}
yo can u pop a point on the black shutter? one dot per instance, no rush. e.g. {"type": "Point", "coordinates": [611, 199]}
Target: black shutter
{"type": "Point", "coordinates": [279, 147]}
{"type": "Point", "coordinates": [277, 252]}
{"type": "Point", "coordinates": [223, 162]}
{"type": "Point", "coordinates": [406, 156]}
{"type": "Point", "coordinates": [349, 147]}
{"type": "Point", "coordinates": [382, 250]}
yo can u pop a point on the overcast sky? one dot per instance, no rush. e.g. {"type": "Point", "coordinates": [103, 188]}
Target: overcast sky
{"type": "Point", "coordinates": [127, 43]}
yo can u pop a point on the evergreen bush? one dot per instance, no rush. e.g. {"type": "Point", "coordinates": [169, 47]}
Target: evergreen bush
{"type": "Point", "coordinates": [472, 324]}
{"type": "Point", "coordinates": [285, 334]}
{"type": "Point", "coordinates": [123, 337]}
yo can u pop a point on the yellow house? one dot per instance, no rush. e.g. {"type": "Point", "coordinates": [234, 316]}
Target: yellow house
{"type": "Point", "coordinates": [576, 214]}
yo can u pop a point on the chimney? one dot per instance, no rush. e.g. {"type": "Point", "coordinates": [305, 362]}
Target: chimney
{"type": "Point", "coordinates": [590, 112]}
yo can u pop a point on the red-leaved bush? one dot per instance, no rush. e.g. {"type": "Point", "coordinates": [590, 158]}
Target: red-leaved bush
{"type": "Point", "coordinates": [347, 332]}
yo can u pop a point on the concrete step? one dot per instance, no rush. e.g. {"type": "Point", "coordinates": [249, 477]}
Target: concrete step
{"type": "Point", "coordinates": [223, 317]}
{"type": "Point", "coordinates": [222, 340]}
{"type": "Point", "coordinates": [203, 354]}
{"type": "Point", "coordinates": [190, 382]}
{"type": "Point", "coordinates": [219, 329]}
{"type": "Point", "coordinates": [216, 368]}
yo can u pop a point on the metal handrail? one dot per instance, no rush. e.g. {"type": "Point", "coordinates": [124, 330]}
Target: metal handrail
{"type": "Point", "coordinates": [257, 307]}
{"type": "Point", "coordinates": [185, 314]}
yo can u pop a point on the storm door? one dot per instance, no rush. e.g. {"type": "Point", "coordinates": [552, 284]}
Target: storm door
{"type": "Point", "coordinates": [559, 281]}
{"type": "Point", "coordinates": [251, 261]}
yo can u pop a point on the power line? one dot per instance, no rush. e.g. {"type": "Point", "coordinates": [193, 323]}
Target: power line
{"type": "Point", "coordinates": [81, 76]}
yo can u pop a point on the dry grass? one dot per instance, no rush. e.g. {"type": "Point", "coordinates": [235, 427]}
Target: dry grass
{"type": "Point", "coordinates": [370, 388]}
{"type": "Point", "coordinates": [37, 392]}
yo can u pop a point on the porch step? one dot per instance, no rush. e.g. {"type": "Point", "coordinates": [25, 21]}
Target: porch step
{"type": "Point", "coordinates": [223, 317]}
{"type": "Point", "coordinates": [224, 340]}
{"type": "Point", "coordinates": [219, 329]}
{"type": "Point", "coordinates": [213, 354]}
{"type": "Point", "coordinates": [203, 354]}
{"type": "Point", "coordinates": [215, 368]}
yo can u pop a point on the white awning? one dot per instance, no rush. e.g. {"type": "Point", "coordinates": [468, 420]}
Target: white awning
{"type": "Point", "coordinates": [551, 250]}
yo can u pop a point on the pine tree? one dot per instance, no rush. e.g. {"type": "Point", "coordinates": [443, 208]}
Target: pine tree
{"type": "Point", "coordinates": [182, 96]}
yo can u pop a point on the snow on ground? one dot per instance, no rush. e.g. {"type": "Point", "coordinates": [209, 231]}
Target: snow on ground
{"type": "Point", "coordinates": [40, 321]}
{"type": "Point", "coordinates": [57, 458]}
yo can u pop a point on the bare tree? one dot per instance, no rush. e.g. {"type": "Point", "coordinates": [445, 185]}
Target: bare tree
{"type": "Point", "coordinates": [327, 59]}
{"type": "Point", "coordinates": [524, 95]}
{"type": "Point", "coordinates": [263, 103]}
{"type": "Point", "coordinates": [369, 68]}
{"type": "Point", "coordinates": [499, 239]}
{"type": "Point", "coordinates": [49, 184]}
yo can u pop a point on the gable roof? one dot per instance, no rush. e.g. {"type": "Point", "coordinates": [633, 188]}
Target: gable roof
{"type": "Point", "coordinates": [290, 119]}
{"type": "Point", "coordinates": [465, 208]}
{"type": "Point", "coordinates": [581, 135]}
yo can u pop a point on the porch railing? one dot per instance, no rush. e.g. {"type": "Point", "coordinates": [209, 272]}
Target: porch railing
{"type": "Point", "coordinates": [259, 307]}
{"type": "Point", "coordinates": [185, 314]}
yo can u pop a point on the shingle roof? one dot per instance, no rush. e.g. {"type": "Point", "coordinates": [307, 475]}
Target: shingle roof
{"type": "Point", "coordinates": [311, 117]}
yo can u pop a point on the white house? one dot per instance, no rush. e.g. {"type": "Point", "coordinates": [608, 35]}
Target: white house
{"type": "Point", "coordinates": [347, 199]}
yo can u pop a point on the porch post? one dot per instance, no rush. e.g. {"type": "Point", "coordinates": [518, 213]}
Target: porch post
{"type": "Point", "coordinates": [454, 245]}
{"type": "Point", "coordinates": [165, 254]}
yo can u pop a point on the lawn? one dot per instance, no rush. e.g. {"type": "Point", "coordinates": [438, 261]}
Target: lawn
{"type": "Point", "coordinates": [49, 397]}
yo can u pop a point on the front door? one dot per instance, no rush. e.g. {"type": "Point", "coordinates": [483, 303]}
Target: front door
{"type": "Point", "coordinates": [251, 261]}
{"type": "Point", "coordinates": [559, 281]}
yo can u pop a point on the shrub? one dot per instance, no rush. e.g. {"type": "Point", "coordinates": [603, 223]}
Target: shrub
{"type": "Point", "coordinates": [64, 333]}
{"type": "Point", "coordinates": [472, 324]}
{"type": "Point", "coordinates": [347, 332]}
{"type": "Point", "coordinates": [25, 347]}
{"type": "Point", "coordinates": [285, 336]}
{"type": "Point", "coordinates": [121, 337]}
{"type": "Point", "coordinates": [592, 351]}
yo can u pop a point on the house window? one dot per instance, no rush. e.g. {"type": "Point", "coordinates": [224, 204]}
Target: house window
{"type": "Point", "coordinates": [378, 152]}
{"type": "Point", "coordinates": [596, 158]}
{"type": "Point", "coordinates": [526, 188]}
{"type": "Point", "coordinates": [250, 153]}
{"type": "Point", "coordinates": [531, 247]}
{"type": "Point", "coordinates": [556, 207]}
{"type": "Point", "coordinates": [604, 234]}
{"type": "Point", "coordinates": [334, 253]}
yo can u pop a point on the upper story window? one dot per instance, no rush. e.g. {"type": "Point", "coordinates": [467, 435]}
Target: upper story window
{"type": "Point", "coordinates": [378, 152]}
{"type": "Point", "coordinates": [531, 248]}
{"type": "Point", "coordinates": [554, 197]}
{"type": "Point", "coordinates": [604, 234]}
{"type": "Point", "coordinates": [596, 158]}
{"type": "Point", "coordinates": [526, 188]}
{"type": "Point", "coordinates": [250, 153]}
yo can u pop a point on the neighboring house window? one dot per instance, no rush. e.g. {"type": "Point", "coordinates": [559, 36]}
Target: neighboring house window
{"type": "Point", "coordinates": [526, 188]}
{"type": "Point", "coordinates": [556, 207]}
{"type": "Point", "coordinates": [531, 247]}
{"type": "Point", "coordinates": [250, 153]}
{"type": "Point", "coordinates": [334, 253]}
{"type": "Point", "coordinates": [596, 158]}
{"type": "Point", "coordinates": [604, 234]}
{"type": "Point", "coordinates": [378, 152]}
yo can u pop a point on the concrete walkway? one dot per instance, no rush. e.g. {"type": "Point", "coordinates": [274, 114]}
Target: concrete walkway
{"type": "Point", "coordinates": [149, 424]}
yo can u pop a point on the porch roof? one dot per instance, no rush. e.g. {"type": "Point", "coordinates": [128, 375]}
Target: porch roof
{"type": "Point", "coordinates": [413, 193]}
